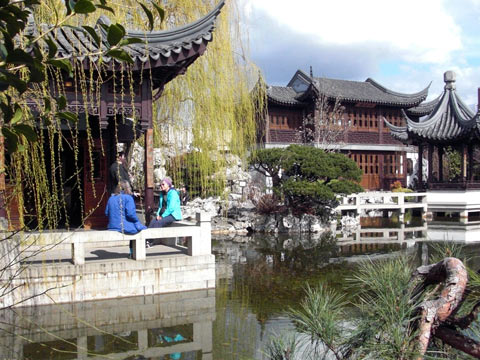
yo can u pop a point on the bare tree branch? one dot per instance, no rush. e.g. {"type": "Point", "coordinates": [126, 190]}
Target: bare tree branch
{"type": "Point", "coordinates": [458, 341]}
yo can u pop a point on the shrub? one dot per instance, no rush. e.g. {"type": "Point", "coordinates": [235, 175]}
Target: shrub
{"type": "Point", "coordinates": [397, 187]}
{"type": "Point", "coordinates": [268, 204]}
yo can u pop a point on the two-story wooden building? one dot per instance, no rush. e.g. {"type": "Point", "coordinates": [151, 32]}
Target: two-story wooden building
{"type": "Point", "coordinates": [113, 102]}
{"type": "Point", "coordinates": [354, 112]}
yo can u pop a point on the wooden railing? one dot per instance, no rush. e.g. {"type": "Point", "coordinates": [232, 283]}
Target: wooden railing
{"type": "Point", "coordinates": [455, 185]}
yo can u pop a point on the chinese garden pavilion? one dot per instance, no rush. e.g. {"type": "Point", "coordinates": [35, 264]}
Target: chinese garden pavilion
{"type": "Point", "coordinates": [360, 132]}
{"type": "Point", "coordinates": [118, 116]}
{"type": "Point", "coordinates": [450, 131]}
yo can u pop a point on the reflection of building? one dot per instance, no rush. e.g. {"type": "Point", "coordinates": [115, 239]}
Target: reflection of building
{"type": "Point", "coordinates": [170, 326]}
{"type": "Point", "coordinates": [358, 130]}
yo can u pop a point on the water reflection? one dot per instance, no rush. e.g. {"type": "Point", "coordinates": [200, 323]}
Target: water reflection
{"type": "Point", "coordinates": [258, 279]}
{"type": "Point", "coordinates": [370, 229]}
{"type": "Point", "coordinates": [171, 326]}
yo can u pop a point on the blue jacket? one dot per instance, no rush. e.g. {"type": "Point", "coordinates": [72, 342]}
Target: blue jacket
{"type": "Point", "coordinates": [173, 205]}
{"type": "Point", "coordinates": [122, 215]}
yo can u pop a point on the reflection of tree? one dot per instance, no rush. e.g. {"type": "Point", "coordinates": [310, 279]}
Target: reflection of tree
{"type": "Point", "coordinates": [402, 312]}
{"type": "Point", "coordinates": [276, 280]}
{"type": "Point", "coordinates": [233, 322]}
{"type": "Point", "coordinates": [303, 253]}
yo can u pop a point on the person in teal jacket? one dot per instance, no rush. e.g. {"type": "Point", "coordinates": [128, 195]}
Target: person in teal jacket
{"type": "Point", "coordinates": [168, 207]}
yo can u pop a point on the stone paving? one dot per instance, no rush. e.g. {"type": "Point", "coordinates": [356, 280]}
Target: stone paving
{"type": "Point", "coordinates": [92, 254]}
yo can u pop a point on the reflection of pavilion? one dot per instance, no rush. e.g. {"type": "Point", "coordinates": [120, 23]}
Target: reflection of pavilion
{"type": "Point", "coordinates": [169, 326]}
{"type": "Point", "coordinates": [384, 235]}
{"type": "Point", "coordinates": [449, 134]}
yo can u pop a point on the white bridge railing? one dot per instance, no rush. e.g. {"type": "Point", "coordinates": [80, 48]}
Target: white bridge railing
{"type": "Point", "coordinates": [383, 201]}
{"type": "Point", "coordinates": [359, 204]}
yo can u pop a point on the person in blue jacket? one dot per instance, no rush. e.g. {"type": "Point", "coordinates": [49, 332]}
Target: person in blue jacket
{"type": "Point", "coordinates": [121, 212]}
{"type": "Point", "coordinates": [168, 207]}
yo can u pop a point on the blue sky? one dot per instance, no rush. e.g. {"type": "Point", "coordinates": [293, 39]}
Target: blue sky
{"type": "Point", "coordinates": [403, 45]}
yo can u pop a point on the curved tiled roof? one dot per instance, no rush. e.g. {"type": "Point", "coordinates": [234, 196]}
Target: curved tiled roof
{"type": "Point", "coordinates": [168, 46]}
{"type": "Point", "coordinates": [451, 120]}
{"type": "Point", "coordinates": [283, 95]}
{"type": "Point", "coordinates": [424, 108]}
{"type": "Point", "coordinates": [368, 91]}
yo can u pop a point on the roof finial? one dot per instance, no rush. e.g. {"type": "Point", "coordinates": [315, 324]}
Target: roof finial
{"type": "Point", "coordinates": [449, 77]}
{"type": "Point", "coordinates": [311, 71]}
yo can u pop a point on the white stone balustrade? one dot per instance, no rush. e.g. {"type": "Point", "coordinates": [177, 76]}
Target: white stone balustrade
{"type": "Point", "coordinates": [198, 237]}
{"type": "Point", "coordinates": [383, 201]}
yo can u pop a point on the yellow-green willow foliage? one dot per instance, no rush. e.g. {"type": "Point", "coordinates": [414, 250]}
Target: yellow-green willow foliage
{"type": "Point", "coordinates": [216, 103]}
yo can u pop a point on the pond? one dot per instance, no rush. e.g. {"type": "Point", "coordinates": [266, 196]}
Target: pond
{"type": "Point", "coordinates": [258, 279]}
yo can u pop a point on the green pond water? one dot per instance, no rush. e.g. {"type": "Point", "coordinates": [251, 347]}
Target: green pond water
{"type": "Point", "coordinates": [258, 279]}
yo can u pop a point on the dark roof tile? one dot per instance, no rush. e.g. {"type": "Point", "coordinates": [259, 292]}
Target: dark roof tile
{"type": "Point", "coordinates": [368, 91]}
{"type": "Point", "coordinates": [75, 43]}
{"type": "Point", "coordinates": [424, 108]}
{"type": "Point", "coordinates": [283, 95]}
{"type": "Point", "coordinates": [450, 120]}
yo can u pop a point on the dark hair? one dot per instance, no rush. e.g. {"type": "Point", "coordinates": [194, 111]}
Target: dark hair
{"type": "Point", "coordinates": [123, 186]}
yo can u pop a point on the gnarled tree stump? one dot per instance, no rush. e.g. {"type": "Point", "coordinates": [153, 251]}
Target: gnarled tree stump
{"type": "Point", "coordinates": [437, 315]}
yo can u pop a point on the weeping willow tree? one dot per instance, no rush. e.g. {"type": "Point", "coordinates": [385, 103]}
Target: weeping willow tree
{"type": "Point", "coordinates": [215, 103]}
{"type": "Point", "coordinates": [212, 109]}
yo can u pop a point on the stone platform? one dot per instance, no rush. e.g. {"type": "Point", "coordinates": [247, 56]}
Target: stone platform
{"type": "Point", "coordinates": [40, 269]}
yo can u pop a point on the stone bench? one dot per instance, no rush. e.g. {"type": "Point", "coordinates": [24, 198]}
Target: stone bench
{"type": "Point", "coordinates": [198, 237]}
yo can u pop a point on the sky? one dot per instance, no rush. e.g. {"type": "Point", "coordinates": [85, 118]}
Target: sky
{"type": "Point", "coordinates": [404, 45]}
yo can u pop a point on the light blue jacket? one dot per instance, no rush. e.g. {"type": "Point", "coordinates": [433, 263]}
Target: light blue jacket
{"type": "Point", "coordinates": [173, 205]}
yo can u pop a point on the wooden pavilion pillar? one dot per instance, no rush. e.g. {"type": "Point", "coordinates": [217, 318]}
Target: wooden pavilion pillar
{"type": "Point", "coordinates": [147, 113]}
{"type": "Point", "coordinates": [149, 178]}
{"type": "Point", "coordinates": [3, 211]}
{"type": "Point", "coordinates": [267, 129]}
{"type": "Point", "coordinates": [440, 163]}
{"type": "Point", "coordinates": [420, 166]}
{"type": "Point", "coordinates": [430, 163]}
{"type": "Point", "coordinates": [463, 164]}
{"type": "Point", "coordinates": [470, 162]}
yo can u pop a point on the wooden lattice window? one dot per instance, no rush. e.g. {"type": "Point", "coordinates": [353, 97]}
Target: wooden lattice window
{"type": "Point", "coordinates": [392, 165]}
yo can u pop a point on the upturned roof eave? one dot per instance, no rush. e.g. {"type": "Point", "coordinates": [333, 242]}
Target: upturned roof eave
{"type": "Point", "coordinates": [378, 102]}
{"type": "Point", "coordinates": [204, 24]}
{"type": "Point", "coordinates": [402, 100]}
{"type": "Point", "coordinates": [421, 94]}
{"type": "Point", "coordinates": [398, 132]}
{"type": "Point", "coordinates": [424, 108]}
{"type": "Point", "coordinates": [173, 46]}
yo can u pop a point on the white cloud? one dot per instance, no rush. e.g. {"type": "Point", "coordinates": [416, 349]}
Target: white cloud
{"type": "Point", "coordinates": [421, 31]}
{"type": "Point", "coordinates": [404, 45]}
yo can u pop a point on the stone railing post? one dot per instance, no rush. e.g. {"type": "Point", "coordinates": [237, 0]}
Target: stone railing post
{"type": "Point", "coordinates": [202, 243]}
{"type": "Point", "coordinates": [139, 252]}
{"type": "Point", "coordinates": [401, 204]}
{"type": "Point", "coordinates": [78, 252]}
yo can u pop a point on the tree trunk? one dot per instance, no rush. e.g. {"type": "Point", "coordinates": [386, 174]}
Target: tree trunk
{"type": "Point", "coordinates": [451, 273]}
